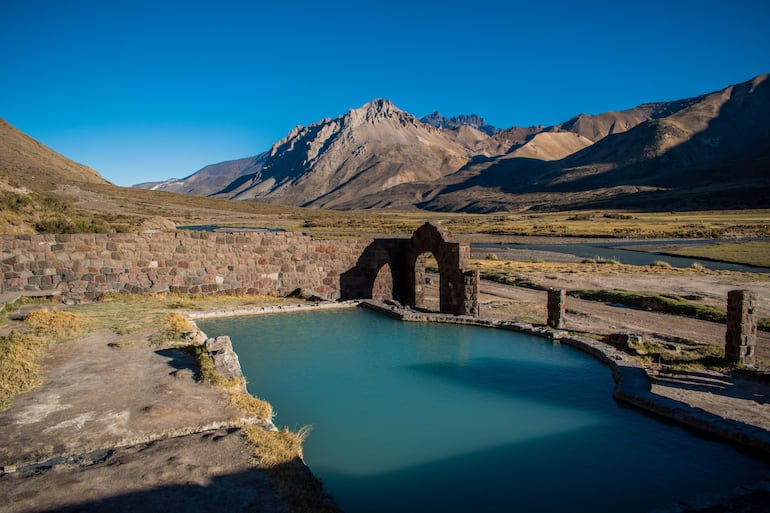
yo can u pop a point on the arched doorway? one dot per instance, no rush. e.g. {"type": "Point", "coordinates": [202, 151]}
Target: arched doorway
{"type": "Point", "coordinates": [427, 282]}
{"type": "Point", "coordinates": [382, 289]}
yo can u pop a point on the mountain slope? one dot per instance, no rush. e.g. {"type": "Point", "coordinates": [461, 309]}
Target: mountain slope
{"type": "Point", "coordinates": [26, 162]}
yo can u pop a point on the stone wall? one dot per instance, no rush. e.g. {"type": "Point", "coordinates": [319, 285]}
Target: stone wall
{"type": "Point", "coordinates": [88, 265]}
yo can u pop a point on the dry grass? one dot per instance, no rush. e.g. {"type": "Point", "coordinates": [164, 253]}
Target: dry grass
{"type": "Point", "coordinates": [681, 356]}
{"type": "Point", "coordinates": [55, 323]}
{"type": "Point", "coordinates": [279, 447]}
{"type": "Point", "coordinates": [706, 224]}
{"type": "Point", "coordinates": [175, 328]}
{"type": "Point", "coordinates": [127, 313]}
{"type": "Point", "coordinates": [19, 353]}
{"type": "Point", "coordinates": [252, 405]}
{"type": "Point", "coordinates": [279, 453]}
{"type": "Point", "coordinates": [21, 349]}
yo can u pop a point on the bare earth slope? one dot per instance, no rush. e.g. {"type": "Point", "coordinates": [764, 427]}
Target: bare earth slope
{"type": "Point", "coordinates": [551, 146]}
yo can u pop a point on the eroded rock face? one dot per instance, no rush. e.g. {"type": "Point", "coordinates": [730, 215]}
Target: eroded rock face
{"type": "Point", "coordinates": [225, 360]}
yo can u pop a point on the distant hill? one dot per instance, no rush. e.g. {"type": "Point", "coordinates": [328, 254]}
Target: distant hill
{"type": "Point", "coordinates": [710, 151]}
{"type": "Point", "coordinates": [212, 179]}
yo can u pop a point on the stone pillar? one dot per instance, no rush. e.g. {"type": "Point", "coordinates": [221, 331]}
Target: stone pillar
{"type": "Point", "coordinates": [556, 308]}
{"type": "Point", "coordinates": [471, 292]}
{"type": "Point", "coordinates": [741, 335]}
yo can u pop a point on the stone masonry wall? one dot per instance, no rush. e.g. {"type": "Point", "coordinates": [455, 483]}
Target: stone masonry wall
{"type": "Point", "coordinates": [88, 265]}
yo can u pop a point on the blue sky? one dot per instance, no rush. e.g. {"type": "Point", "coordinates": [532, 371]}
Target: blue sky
{"type": "Point", "coordinates": [147, 90]}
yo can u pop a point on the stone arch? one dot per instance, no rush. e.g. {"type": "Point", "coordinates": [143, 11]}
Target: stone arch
{"type": "Point", "coordinates": [368, 278]}
{"type": "Point", "coordinates": [458, 287]}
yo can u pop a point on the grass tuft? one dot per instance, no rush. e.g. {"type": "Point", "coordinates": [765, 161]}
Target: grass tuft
{"type": "Point", "coordinates": [175, 328]}
{"type": "Point", "coordinates": [252, 405]}
{"type": "Point", "coordinates": [276, 447]}
{"type": "Point", "coordinates": [279, 453]}
{"type": "Point", "coordinates": [55, 323]}
{"type": "Point", "coordinates": [662, 264]}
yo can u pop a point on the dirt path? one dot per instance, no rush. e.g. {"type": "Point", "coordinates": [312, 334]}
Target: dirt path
{"type": "Point", "coordinates": [506, 302]}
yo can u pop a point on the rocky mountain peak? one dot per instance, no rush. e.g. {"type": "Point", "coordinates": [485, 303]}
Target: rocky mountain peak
{"type": "Point", "coordinates": [375, 112]}
{"type": "Point", "coordinates": [472, 120]}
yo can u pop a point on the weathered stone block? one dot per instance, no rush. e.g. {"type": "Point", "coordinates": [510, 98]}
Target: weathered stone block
{"type": "Point", "coordinates": [741, 332]}
{"type": "Point", "coordinates": [556, 308]}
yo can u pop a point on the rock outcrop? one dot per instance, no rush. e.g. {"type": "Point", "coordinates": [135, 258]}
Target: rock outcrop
{"type": "Point", "coordinates": [226, 362]}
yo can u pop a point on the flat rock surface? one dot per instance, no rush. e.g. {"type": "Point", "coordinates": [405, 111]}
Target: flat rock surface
{"type": "Point", "coordinates": [118, 424]}
{"type": "Point", "coordinates": [101, 392]}
{"type": "Point", "coordinates": [197, 473]}
{"type": "Point", "coordinates": [728, 395]}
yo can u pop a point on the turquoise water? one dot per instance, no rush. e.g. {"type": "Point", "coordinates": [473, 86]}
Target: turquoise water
{"type": "Point", "coordinates": [425, 417]}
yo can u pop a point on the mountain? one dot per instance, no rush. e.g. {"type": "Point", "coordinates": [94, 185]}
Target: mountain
{"type": "Point", "coordinates": [212, 179]}
{"type": "Point", "coordinates": [346, 162]}
{"type": "Point", "coordinates": [436, 120]}
{"type": "Point", "coordinates": [712, 151]}
{"type": "Point", "coordinates": [707, 151]}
